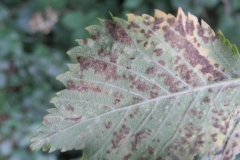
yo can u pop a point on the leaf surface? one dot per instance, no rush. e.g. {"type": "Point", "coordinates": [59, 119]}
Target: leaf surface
{"type": "Point", "coordinates": [159, 87]}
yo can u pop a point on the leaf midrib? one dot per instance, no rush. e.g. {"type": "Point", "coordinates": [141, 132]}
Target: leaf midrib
{"type": "Point", "coordinates": [196, 89]}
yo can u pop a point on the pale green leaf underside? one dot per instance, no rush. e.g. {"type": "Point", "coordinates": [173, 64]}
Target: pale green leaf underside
{"type": "Point", "coordinates": [150, 87]}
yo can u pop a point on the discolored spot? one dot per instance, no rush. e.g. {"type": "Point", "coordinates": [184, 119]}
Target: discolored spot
{"type": "Point", "coordinates": [150, 150]}
{"type": "Point", "coordinates": [136, 111]}
{"type": "Point", "coordinates": [201, 34]}
{"type": "Point", "coordinates": [85, 41]}
{"type": "Point", "coordinates": [171, 21]}
{"type": "Point", "coordinates": [145, 44]}
{"type": "Point", "coordinates": [216, 65]}
{"type": "Point", "coordinates": [139, 136]}
{"type": "Point", "coordinates": [127, 156]}
{"type": "Point", "coordinates": [158, 52]}
{"type": "Point", "coordinates": [190, 27]}
{"type": "Point", "coordinates": [162, 62]}
{"type": "Point", "coordinates": [70, 85]}
{"type": "Point", "coordinates": [179, 26]}
{"type": "Point", "coordinates": [153, 94]}
{"type": "Point", "coordinates": [216, 125]}
{"type": "Point", "coordinates": [150, 70]}
{"type": "Point", "coordinates": [116, 101]}
{"type": "Point", "coordinates": [114, 57]}
{"type": "Point", "coordinates": [117, 139]}
{"type": "Point", "coordinates": [141, 86]}
{"type": "Point", "coordinates": [70, 108]}
{"type": "Point", "coordinates": [136, 100]}
{"type": "Point", "coordinates": [147, 23]}
{"type": "Point", "coordinates": [84, 87]}
{"type": "Point", "coordinates": [108, 125]}
{"type": "Point", "coordinates": [73, 118]}
{"type": "Point", "coordinates": [125, 129]}
{"type": "Point", "coordinates": [134, 25]}
{"type": "Point", "coordinates": [169, 81]}
{"type": "Point", "coordinates": [108, 70]}
{"type": "Point", "coordinates": [94, 37]}
{"type": "Point", "coordinates": [155, 27]}
{"type": "Point", "coordinates": [191, 54]}
{"type": "Point", "coordinates": [118, 33]}
{"type": "Point", "coordinates": [158, 21]}
{"type": "Point", "coordinates": [131, 116]}
{"type": "Point", "coordinates": [237, 135]}
{"type": "Point", "coordinates": [101, 53]}
{"type": "Point", "coordinates": [207, 100]}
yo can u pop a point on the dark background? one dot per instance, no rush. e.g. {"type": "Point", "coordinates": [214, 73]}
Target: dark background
{"type": "Point", "coordinates": [34, 38]}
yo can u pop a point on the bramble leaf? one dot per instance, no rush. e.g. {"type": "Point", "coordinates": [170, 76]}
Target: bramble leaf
{"type": "Point", "coordinates": [159, 87]}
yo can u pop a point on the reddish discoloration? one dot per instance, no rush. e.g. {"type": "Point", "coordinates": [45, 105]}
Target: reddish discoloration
{"type": "Point", "coordinates": [162, 62]}
{"type": "Point", "coordinates": [145, 44]}
{"type": "Point", "coordinates": [94, 37]}
{"type": "Point", "coordinates": [136, 111]}
{"type": "Point", "coordinates": [134, 25]}
{"type": "Point", "coordinates": [108, 125]}
{"type": "Point", "coordinates": [153, 94]}
{"type": "Point", "coordinates": [169, 81]}
{"type": "Point", "coordinates": [125, 129]}
{"type": "Point", "coordinates": [70, 108]}
{"type": "Point", "coordinates": [102, 53]}
{"type": "Point", "coordinates": [201, 34]}
{"type": "Point", "coordinates": [150, 70]}
{"type": "Point", "coordinates": [216, 65]}
{"type": "Point", "coordinates": [179, 26]}
{"type": "Point", "coordinates": [188, 75]}
{"type": "Point", "coordinates": [158, 52]}
{"type": "Point", "coordinates": [171, 21]}
{"type": "Point", "coordinates": [150, 150]}
{"type": "Point", "coordinates": [109, 71]}
{"type": "Point", "coordinates": [147, 23]}
{"type": "Point", "coordinates": [190, 27]}
{"type": "Point", "coordinates": [85, 41]}
{"type": "Point", "coordinates": [146, 34]}
{"type": "Point", "coordinates": [116, 101]}
{"type": "Point", "coordinates": [118, 137]}
{"type": "Point", "coordinates": [214, 137]}
{"type": "Point", "coordinates": [114, 57]}
{"type": "Point", "coordinates": [176, 61]}
{"type": "Point", "coordinates": [131, 116]}
{"type": "Point", "coordinates": [207, 100]}
{"type": "Point", "coordinates": [191, 54]}
{"type": "Point", "coordinates": [140, 85]}
{"type": "Point", "coordinates": [158, 21]}
{"type": "Point", "coordinates": [139, 136]}
{"type": "Point", "coordinates": [118, 33]}
{"type": "Point", "coordinates": [136, 100]}
{"type": "Point", "coordinates": [73, 118]}
{"type": "Point", "coordinates": [127, 156]}
{"type": "Point", "coordinates": [196, 113]}
{"type": "Point", "coordinates": [84, 87]}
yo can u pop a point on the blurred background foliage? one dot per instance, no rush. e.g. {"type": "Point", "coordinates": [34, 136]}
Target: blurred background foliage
{"type": "Point", "coordinates": [35, 35]}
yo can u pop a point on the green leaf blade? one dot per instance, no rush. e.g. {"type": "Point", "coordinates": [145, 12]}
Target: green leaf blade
{"type": "Point", "coordinates": [153, 87]}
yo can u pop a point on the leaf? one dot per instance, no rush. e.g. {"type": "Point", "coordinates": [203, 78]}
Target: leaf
{"type": "Point", "coordinates": [148, 88]}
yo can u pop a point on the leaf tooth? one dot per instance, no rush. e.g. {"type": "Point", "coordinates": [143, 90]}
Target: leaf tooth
{"type": "Point", "coordinates": [131, 17]}
{"type": "Point", "coordinates": [159, 14]}
{"type": "Point", "coordinates": [94, 31]}
{"type": "Point", "coordinates": [235, 49]}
